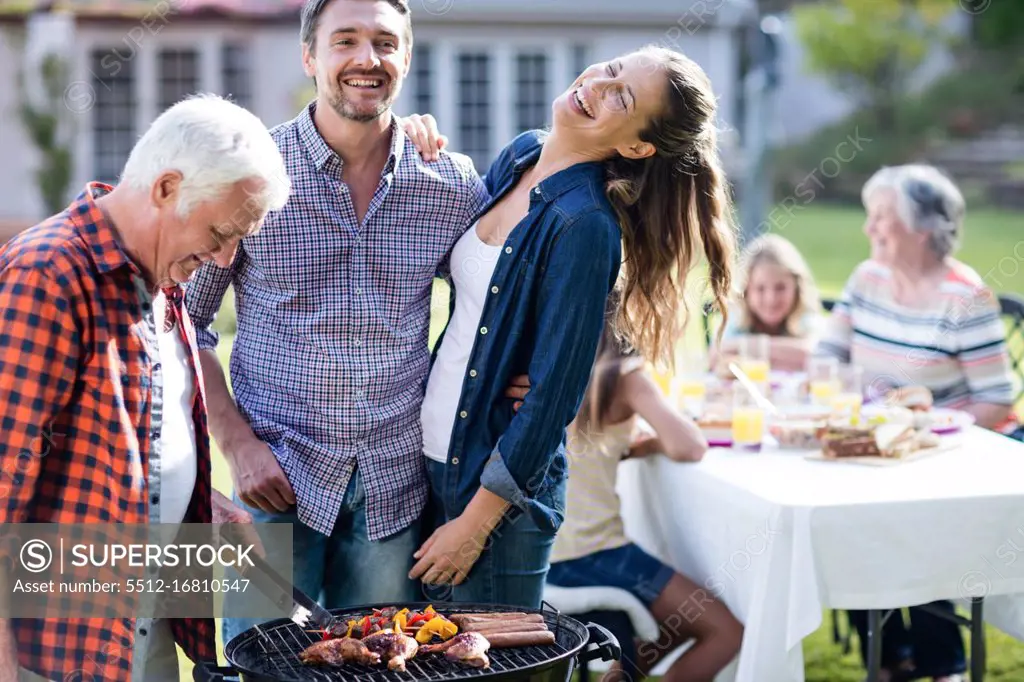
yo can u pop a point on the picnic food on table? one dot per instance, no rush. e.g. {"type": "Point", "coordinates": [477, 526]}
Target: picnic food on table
{"type": "Point", "coordinates": [917, 398]}
{"type": "Point", "coordinates": [716, 427]}
{"type": "Point", "coordinates": [394, 636]}
{"type": "Point", "coordinates": [883, 440]}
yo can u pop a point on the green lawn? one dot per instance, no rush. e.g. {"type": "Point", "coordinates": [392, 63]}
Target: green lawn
{"type": "Point", "coordinates": [832, 241]}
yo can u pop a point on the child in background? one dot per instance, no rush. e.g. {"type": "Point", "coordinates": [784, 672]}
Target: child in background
{"type": "Point", "coordinates": [591, 548]}
{"type": "Point", "coordinates": [778, 297]}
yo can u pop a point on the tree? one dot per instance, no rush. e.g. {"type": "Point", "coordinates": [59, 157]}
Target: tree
{"type": "Point", "coordinates": [870, 47]}
{"type": "Point", "coordinates": [48, 125]}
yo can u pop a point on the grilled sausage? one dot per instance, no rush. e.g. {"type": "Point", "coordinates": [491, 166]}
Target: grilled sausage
{"type": "Point", "coordinates": [487, 628]}
{"type": "Point", "coordinates": [505, 640]}
{"type": "Point", "coordinates": [461, 619]}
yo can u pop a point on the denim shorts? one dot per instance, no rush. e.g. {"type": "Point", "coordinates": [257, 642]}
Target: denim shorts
{"type": "Point", "coordinates": [628, 568]}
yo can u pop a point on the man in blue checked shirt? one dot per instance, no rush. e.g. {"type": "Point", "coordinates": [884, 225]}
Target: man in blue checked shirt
{"type": "Point", "coordinates": [333, 302]}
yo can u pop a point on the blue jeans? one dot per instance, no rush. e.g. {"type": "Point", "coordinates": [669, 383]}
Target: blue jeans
{"type": "Point", "coordinates": [511, 569]}
{"type": "Point", "coordinates": [345, 569]}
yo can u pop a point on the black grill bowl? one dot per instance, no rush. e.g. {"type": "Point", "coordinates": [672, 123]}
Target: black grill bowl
{"type": "Point", "coordinates": [270, 653]}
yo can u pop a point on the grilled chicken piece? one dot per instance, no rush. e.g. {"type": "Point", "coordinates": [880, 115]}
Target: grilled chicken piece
{"type": "Point", "coordinates": [391, 647]}
{"type": "Point", "coordinates": [339, 651]}
{"type": "Point", "coordinates": [468, 648]}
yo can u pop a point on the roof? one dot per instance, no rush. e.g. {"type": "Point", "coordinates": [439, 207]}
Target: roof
{"type": "Point", "coordinates": [687, 13]}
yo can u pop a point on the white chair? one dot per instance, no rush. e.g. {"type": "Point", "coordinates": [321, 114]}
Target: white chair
{"type": "Point", "coordinates": [574, 601]}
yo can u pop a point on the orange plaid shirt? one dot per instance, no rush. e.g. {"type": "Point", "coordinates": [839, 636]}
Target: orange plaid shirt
{"type": "Point", "coordinates": [74, 413]}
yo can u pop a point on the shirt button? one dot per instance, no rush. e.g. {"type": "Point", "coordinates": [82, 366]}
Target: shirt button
{"type": "Point", "coordinates": [455, 460]}
{"type": "Point", "coordinates": [155, 499]}
{"type": "Point", "coordinates": [508, 249]}
{"type": "Point", "coordinates": [143, 631]}
{"type": "Point", "coordinates": [156, 367]}
{"type": "Point", "coordinates": [463, 414]}
{"type": "Point", "coordinates": [359, 291]}
{"type": "Point", "coordinates": [154, 434]}
{"type": "Point", "coordinates": [483, 330]}
{"type": "Point", "coordinates": [357, 342]}
{"type": "Point", "coordinates": [494, 290]}
{"type": "Point", "coordinates": [536, 190]}
{"type": "Point", "coordinates": [472, 372]}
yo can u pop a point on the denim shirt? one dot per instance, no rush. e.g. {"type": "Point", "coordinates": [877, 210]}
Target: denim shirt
{"type": "Point", "coordinates": [543, 318]}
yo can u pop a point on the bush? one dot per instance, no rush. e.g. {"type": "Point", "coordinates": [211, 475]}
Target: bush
{"type": "Point", "coordinates": [986, 92]}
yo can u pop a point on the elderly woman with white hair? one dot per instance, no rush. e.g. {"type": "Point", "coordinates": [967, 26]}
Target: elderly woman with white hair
{"type": "Point", "coordinates": [912, 315]}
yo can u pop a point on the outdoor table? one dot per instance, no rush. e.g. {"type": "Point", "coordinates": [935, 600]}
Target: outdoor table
{"type": "Point", "coordinates": [779, 538]}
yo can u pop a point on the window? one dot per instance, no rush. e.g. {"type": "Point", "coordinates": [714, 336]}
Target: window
{"type": "Point", "coordinates": [236, 76]}
{"type": "Point", "coordinates": [113, 116]}
{"type": "Point", "coordinates": [579, 62]}
{"type": "Point", "coordinates": [532, 105]}
{"type": "Point", "coordinates": [178, 76]}
{"type": "Point", "coordinates": [474, 107]}
{"type": "Point", "coordinates": [423, 76]}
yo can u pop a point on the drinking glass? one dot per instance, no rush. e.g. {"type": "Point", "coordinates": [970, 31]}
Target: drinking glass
{"type": "Point", "coordinates": [848, 400]}
{"type": "Point", "coordinates": [691, 383]}
{"type": "Point", "coordinates": [823, 380]}
{"type": "Point", "coordinates": [663, 378]}
{"type": "Point", "coordinates": [754, 352]}
{"type": "Point", "coordinates": [747, 420]}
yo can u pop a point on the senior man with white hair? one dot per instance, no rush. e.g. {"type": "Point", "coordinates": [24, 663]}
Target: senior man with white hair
{"type": "Point", "coordinates": [914, 316]}
{"type": "Point", "coordinates": [99, 357]}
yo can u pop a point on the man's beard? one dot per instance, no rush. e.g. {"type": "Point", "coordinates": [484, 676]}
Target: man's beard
{"type": "Point", "coordinates": [345, 108]}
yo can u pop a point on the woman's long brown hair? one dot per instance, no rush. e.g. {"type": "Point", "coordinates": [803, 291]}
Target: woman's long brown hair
{"type": "Point", "coordinates": [669, 205]}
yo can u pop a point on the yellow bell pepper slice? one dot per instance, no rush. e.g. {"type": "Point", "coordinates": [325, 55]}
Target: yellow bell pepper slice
{"type": "Point", "coordinates": [439, 626]}
{"type": "Point", "coordinates": [351, 627]}
{"type": "Point", "coordinates": [400, 618]}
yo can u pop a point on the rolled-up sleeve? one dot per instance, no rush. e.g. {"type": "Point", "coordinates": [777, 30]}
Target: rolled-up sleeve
{"type": "Point", "coordinates": [204, 295]}
{"type": "Point", "coordinates": [570, 313]}
{"type": "Point", "coordinates": [39, 344]}
{"type": "Point", "coordinates": [982, 353]}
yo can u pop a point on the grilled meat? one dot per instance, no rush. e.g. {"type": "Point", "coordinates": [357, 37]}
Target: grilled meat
{"type": "Point", "coordinates": [508, 640]}
{"type": "Point", "coordinates": [463, 619]}
{"type": "Point", "coordinates": [488, 628]}
{"type": "Point", "coordinates": [339, 651]}
{"type": "Point", "coordinates": [391, 647]}
{"type": "Point", "coordinates": [468, 648]}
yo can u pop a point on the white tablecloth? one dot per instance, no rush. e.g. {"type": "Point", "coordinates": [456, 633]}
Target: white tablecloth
{"type": "Point", "coordinates": [779, 538]}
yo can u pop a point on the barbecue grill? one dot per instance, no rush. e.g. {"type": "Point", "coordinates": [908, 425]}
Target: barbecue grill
{"type": "Point", "coordinates": [270, 653]}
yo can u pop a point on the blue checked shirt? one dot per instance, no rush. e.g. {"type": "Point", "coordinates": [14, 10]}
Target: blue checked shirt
{"type": "Point", "coordinates": [331, 357]}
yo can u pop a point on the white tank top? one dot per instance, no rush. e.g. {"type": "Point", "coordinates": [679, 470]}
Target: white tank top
{"type": "Point", "coordinates": [472, 265]}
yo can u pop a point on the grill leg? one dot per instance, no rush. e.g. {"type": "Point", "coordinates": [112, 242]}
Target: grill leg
{"type": "Point", "coordinates": [584, 671]}
{"type": "Point", "coordinates": [977, 640]}
{"type": "Point", "coordinates": [874, 644]}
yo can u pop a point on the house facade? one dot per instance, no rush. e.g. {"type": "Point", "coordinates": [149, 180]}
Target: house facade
{"type": "Point", "coordinates": [486, 69]}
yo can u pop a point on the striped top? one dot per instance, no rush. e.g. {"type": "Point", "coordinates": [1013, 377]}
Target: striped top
{"type": "Point", "coordinates": [955, 345]}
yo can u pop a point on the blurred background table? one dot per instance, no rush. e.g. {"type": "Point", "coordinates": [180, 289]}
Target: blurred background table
{"type": "Point", "coordinates": [779, 538]}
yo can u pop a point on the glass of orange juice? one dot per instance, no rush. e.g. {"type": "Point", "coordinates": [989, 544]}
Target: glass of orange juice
{"type": "Point", "coordinates": [664, 380]}
{"type": "Point", "coordinates": [823, 380]}
{"type": "Point", "coordinates": [747, 420]}
{"type": "Point", "coordinates": [850, 396]}
{"type": "Point", "coordinates": [754, 352]}
{"type": "Point", "coordinates": [692, 390]}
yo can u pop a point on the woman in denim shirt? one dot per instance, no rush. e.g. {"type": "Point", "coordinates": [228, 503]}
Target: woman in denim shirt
{"type": "Point", "coordinates": [627, 179]}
